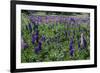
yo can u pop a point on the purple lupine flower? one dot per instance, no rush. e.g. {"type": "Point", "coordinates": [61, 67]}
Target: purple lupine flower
{"type": "Point", "coordinates": [72, 52]}
{"type": "Point", "coordinates": [36, 21]}
{"type": "Point", "coordinates": [47, 19]}
{"type": "Point", "coordinates": [57, 20]}
{"type": "Point", "coordinates": [67, 19]}
{"type": "Point", "coordinates": [72, 20]}
{"type": "Point", "coordinates": [71, 47]}
{"type": "Point", "coordinates": [61, 19]}
{"type": "Point", "coordinates": [33, 39]}
{"type": "Point", "coordinates": [32, 19]}
{"type": "Point", "coordinates": [38, 48]}
{"type": "Point", "coordinates": [39, 18]}
{"type": "Point", "coordinates": [30, 27]}
{"type": "Point", "coordinates": [85, 43]}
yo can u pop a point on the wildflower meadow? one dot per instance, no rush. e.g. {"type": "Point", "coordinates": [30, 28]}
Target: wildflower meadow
{"type": "Point", "coordinates": [54, 36]}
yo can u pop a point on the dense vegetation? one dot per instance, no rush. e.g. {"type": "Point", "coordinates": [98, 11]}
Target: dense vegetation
{"type": "Point", "coordinates": [52, 37]}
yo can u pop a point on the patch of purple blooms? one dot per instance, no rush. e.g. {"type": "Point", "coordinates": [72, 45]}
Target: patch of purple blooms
{"type": "Point", "coordinates": [59, 19]}
{"type": "Point", "coordinates": [71, 48]}
{"type": "Point", "coordinates": [35, 37]}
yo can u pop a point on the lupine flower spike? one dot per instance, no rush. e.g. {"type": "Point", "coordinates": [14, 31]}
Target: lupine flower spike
{"type": "Point", "coordinates": [71, 48]}
{"type": "Point", "coordinates": [38, 48]}
{"type": "Point", "coordinates": [33, 38]}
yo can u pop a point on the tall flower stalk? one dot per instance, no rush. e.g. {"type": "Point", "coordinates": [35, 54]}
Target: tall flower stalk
{"type": "Point", "coordinates": [71, 48]}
